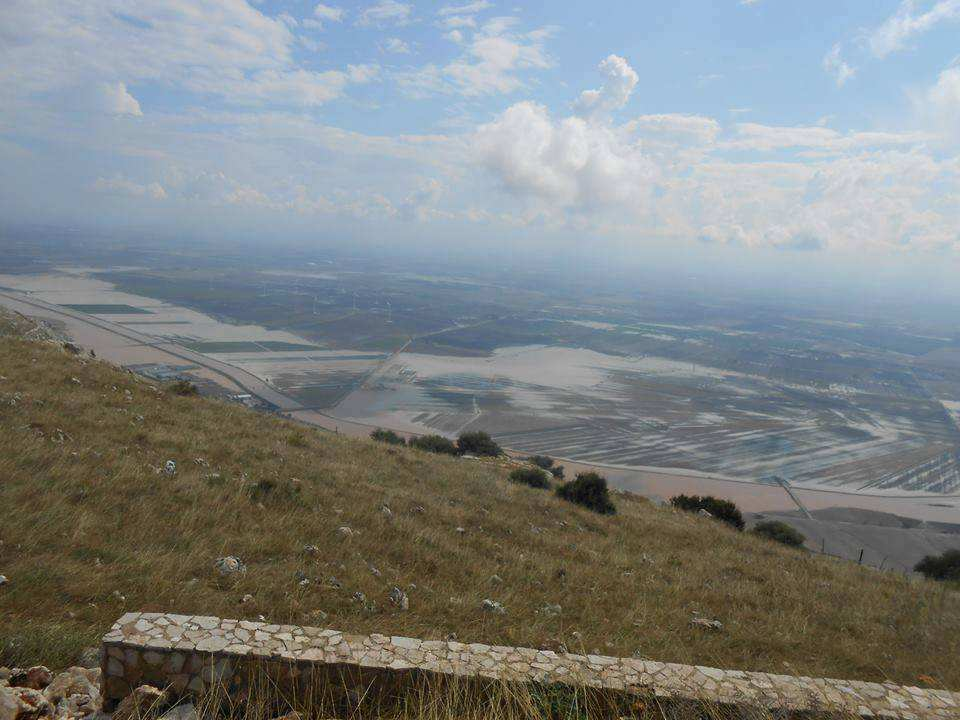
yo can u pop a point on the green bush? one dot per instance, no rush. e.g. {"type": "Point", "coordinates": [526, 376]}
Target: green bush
{"type": "Point", "coordinates": [781, 532]}
{"type": "Point", "coordinates": [184, 388]}
{"type": "Point", "coordinates": [534, 477]}
{"type": "Point", "coordinates": [435, 444]}
{"type": "Point", "coordinates": [721, 509]}
{"type": "Point", "coordinates": [547, 463]}
{"type": "Point", "coordinates": [478, 443]}
{"type": "Point", "coordinates": [945, 566]}
{"type": "Point", "coordinates": [387, 436]}
{"type": "Point", "coordinates": [589, 490]}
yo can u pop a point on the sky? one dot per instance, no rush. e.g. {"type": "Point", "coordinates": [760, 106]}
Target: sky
{"type": "Point", "coordinates": [821, 128]}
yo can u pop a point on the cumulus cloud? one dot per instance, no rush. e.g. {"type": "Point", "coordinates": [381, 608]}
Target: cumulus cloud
{"type": "Point", "coordinates": [386, 12]}
{"type": "Point", "coordinates": [834, 64]}
{"type": "Point", "coordinates": [396, 46]}
{"type": "Point", "coordinates": [467, 9]}
{"type": "Point", "coordinates": [905, 24]}
{"type": "Point", "coordinates": [115, 99]}
{"type": "Point", "coordinates": [620, 81]}
{"type": "Point", "coordinates": [941, 102]}
{"type": "Point", "coordinates": [328, 12]}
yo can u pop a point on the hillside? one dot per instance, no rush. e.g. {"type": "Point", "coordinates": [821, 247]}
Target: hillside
{"type": "Point", "coordinates": [92, 525]}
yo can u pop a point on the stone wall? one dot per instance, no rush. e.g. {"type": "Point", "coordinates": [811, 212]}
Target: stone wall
{"type": "Point", "coordinates": [191, 654]}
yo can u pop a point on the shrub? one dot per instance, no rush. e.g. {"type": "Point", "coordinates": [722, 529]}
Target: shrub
{"type": "Point", "coordinates": [780, 532]}
{"type": "Point", "coordinates": [184, 388]}
{"type": "Point", "coordinates": [296, 440]}
{"type": "Point", "coordinates": [547, 463]}
{"type": "Point", "coordinates": [534, 477]}
{"type": "Point", "coordinates": [269, 490]}
{"type": "Point", "coordinates": [721, 509]}
{"type": "Point", "coordinates": [387, 436]}
{"type": "Point", "coordinates": [478, 443]}
{"type": "Point", "coordinates": [945, 566]}
{"type": "Point", "coordinates": [541, 461]}
{"type": "Point", "coordinates": [435, 444]}
{"type": "Point", "coordinates": [589, 490]}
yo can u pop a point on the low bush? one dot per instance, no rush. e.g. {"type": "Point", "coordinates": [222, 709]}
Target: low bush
{"type": "Point", "coordinates": [184, 388]}
{"type": "Point", "coordinates": [590, 490]}
{"type": "Point", "coordinates": [547, 463]}
{"type": "Point", "coordinates": [945, 566]}
{"type": "Point", "coordinates": [387, 436]}
{"type": "Point", "coordinates": [780, 532]}
{"type": "Point", "coordinates": [435, 444]}
{"type": "Point", "coordinates": [721, 509]}
{"type": "Point", "coordinates": [478, 443]}
{"type": "Point", "coordinates": [269, 490]}
{"type": "Point", "coordinates": [534, 477]}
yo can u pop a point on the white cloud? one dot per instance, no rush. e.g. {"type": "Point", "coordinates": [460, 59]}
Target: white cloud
{"type": "Point", "coordinates": [120, 185]}
{"type": "Point", "coordinates": [328, 12]}
{"type": "Point", "coordinates": [454, 36]}
{"type": "Point", "coordinates": [941, 102]}
{"type": "Point", "coordinates": [397, 46]}
{"type": "Point", "coordinates": [467, 9]}
{"type": "Point", "coordinates": [905, 24]}
{"type": "Point", "coordinates": [834, 64]}
{"type": "Point", "coordinates": [115, 99]}
{"type": "Point", "coordinates": [386, 12]}
{"type": "Point", "coordinates": [494, 57]}
{"type": "Point", "coordinates": [620, 81]}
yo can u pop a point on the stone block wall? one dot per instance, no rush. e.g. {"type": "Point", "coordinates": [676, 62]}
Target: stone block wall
{"type": "Point", "coordinates": [193, 654]}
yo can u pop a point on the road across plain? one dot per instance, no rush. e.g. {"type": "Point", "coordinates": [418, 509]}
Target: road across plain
{"type": "Point", "coordinates": [123, 346]}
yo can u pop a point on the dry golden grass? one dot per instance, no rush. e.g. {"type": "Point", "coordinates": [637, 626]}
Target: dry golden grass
{"type": "Point", "coordinates": [85, 518]}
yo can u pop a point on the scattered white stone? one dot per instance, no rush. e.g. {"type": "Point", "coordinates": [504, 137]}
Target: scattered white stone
{"type": "Point", "coordinates": [170, 467]}
{"type": "Point", "coordinates": [3, 580]}
{"type": "Point", "coordinates": [704, 513]}
{"type": "Point", "coordinates": [399, 598]}
{"type": "Point", "coordinates": [247, 599]}
{"type": "Point", "coordinates": [706, 623]}
{"type": "Point", "coordinates": [461, 530]}
{"type": "Point", "coordinates": [551, 610]}
{"type": "Point", "coordinates": [304, 583]}
{"type": "Point", "coordinates": [312, 550]}
{"type": "Point", "coordinates": [119, 596]}
{"type": "Point", "coordinates": [496, 580]}
{"type": "Point", "coordinates": [345, 531]}
{"type": "Point", "coordinates": [75, 381]}
{"type": "Point", "coordinates": [492, 606]}
{"type": "Point", "coordinates": [230, 565]}
{"type": "Point", "coordinates": [386, 511]}
{"type": "Point", "coordinates": [375, 571]}
{"type": "Point", "coordinates": [360, 597]}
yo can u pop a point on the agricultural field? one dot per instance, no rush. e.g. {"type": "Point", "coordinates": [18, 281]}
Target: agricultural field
{"type": "Point", "coordinates": [663, 378]}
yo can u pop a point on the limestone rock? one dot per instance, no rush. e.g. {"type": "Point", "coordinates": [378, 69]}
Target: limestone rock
{"type": "Point", "coordinates": [22, 703]}
{"type": "Point", "coordinates": [35, 678]}
{"type": "Point", "coordinates": [551, 610]}
{"type": "Point", "coordinates": [181, 712]}
{"type": "Point", "coordinates": [170, 467]}
{"type": "Point", "coordinates": [345, 531]}
{"type": "Point", "coordinates": [3, 580]}
{"type": "Point", "coordinates": [492, 606]}
{"type": "Point", "coordinates": [706, 623]}
{"type": "Point", "coordinates": [399, 598]}
{"type": "Point", "coordinates": [142, 702]}
{"type": "Point", "coordinates": [230, 565]}
{"type": "Point", "coordinates": [74, 681]}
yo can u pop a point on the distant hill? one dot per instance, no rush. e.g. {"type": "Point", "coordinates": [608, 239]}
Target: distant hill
{"type": "Point", "coordinates": [93, 524]}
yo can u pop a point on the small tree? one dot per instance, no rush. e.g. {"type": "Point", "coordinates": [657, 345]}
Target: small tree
{"type": "Point", "coordinates": [478, 443]}
{"type": "Point", "coordinates": [945, 566]}
{"type": "Point", "coordinates": [534, 477]}
{"type": "Point", "coordinates": [387, 436]}
{"type": "Point", "coordinates": [589, 490]}
{"type": "Point", "coordinates": [557, 471]}
{"type": "Point", "coordinates": [721, 509]}
{"type": "Point", "coordinates": [541, 461]}
{"type": "Point", "coordinates": [435, 444]}
{"type": "Point", "coordinates": [780, 532]}
{"type": "Point", "coordinates": [184, 388]}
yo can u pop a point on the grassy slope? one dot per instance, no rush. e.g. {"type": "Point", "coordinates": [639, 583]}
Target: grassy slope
{"type": "Point", "coordinates": [84, 514]}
